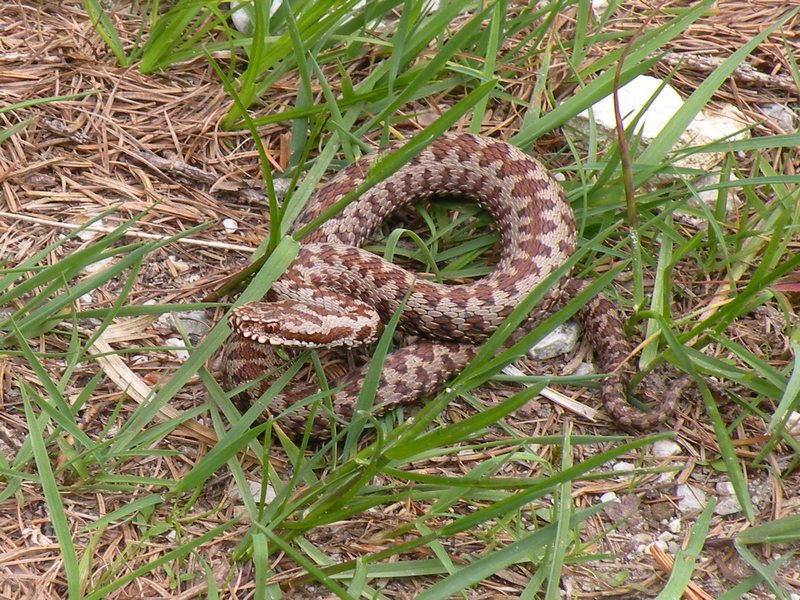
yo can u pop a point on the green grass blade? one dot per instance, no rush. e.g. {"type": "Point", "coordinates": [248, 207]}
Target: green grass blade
{"type": "Point", "coordinates": [687, 557]}
{"type": "Point", "coordinates": [490, 565]}
{"type": "Point", "coordinates": [106, 30]}
{"type": "Point", "coordinates": [52, 497]}
{"type": "Point", "coordinates": [390, 163]}
{"type": "Point", "coordinates": [274, 267]}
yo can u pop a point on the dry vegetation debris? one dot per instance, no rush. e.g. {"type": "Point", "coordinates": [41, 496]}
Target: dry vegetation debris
{"type": "Point", "coordinates": [152, 144]}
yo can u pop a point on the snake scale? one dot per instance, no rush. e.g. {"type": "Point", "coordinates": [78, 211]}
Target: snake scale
{"type": "Point", "coordinates": [337, 294]}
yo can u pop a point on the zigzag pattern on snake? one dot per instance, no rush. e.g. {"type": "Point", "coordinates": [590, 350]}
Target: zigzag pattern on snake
{"type": "Point", "coordinates": [335, 293]}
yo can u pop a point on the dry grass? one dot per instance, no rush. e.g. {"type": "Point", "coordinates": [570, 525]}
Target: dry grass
{"type": "Point", "coordinates": [152, 143]}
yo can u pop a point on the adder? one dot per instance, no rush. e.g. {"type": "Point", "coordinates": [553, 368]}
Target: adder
{"type": "Point", "coordinates": [336, 294]}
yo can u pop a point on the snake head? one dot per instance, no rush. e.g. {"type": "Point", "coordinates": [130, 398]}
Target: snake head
{"type": "Point", "coordinates": [302, 324]}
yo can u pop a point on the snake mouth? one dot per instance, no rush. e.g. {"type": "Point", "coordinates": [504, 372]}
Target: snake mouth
{"type": "Point", "coordinates": [254, 327]}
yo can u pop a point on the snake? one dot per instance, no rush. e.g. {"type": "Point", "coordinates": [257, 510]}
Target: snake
{"type": "Point", "coordinates": [335, 294]}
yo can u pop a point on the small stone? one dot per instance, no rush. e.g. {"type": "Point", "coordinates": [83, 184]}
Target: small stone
{"type": "Point", "coordinates": [98, 265]}
{"type": "Point", "coordinates": [642, 538]}
{"type": "Point", "coordinates": [675, 526]}
{"type": "Point", "coordinates": [180, 265]}
{"type": "Point", "coordinates": [663, 102]}
{"type": "Point", "coordinates": [86, 299]}
{"type": "Point", "coordinates": [179, 345]}
{"type": "Point", "coordinates": [666, 448]}
{"type": "Point", "coordinates": [561, 340]}
{"type": "Point", "coordinates": [230, 225]}
{"type": "Point", "coordinates": [194, 322]}
{"type": "Point", "coordinates": [609, 497]}
{"type": "Point", "coordinates": [255, 488]}
{"type": "Point", "coordinates": [727, 506]}
{"type": "Point", "coordinates": [666, 477]}
{"type": "Point", "coordinates": [793, 423]}
{"type": "Point", "coordinates": [87, 235]}
{"type": "Point", "coordinates": [780, 115]}
{"type": "Point", "coordinates": [585, 368]}
{"type": "Point", "coordinates": [622, 467]}
{"type": "Point", "coordinates": [724, 488]}
{"type": "Point", "coordinates": [692, 498]}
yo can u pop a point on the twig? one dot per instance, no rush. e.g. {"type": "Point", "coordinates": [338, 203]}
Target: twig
{"type": "Point", "coordinates": [129, 232]}
{"type": "Point", "coordinates": [744, 73]}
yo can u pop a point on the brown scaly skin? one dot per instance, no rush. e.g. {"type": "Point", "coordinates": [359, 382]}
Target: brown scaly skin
{"type": "Point", "coordinates": [350, 285]}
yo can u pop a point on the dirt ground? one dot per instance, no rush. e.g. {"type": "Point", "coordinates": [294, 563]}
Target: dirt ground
{"type": "Point", "coordinates": [153, 143]}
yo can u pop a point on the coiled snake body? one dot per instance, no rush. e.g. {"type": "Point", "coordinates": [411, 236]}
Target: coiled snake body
{"type": "Point", "coordinates": [336, 294]}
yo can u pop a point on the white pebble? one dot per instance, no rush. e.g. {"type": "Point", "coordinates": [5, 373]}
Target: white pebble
{"type": "Point", "coordinates": [666, 477]}
{"type": "Point", "coordinates": [87, 235]}
{"type": "Point", "coordinates": [255, 488]}
{"type": "Point", "coordinates": [727, 506]}
{"type": "Point", "coordinates": [793, 423]}
{"type": "Point", "coordinates": [98, 265]}
{"type": "Point", "coordinates": [561, 340]}
{"type": "Point", "coordinates": [180, 265]}
{"type": "Point", "coordinates": [177, 343]}
{"type": "Point", "coordinates": [622, 467]}
{"type": "Point", "coordinates": [609, 497]}
{"type": "Point", "coordinates": [661, 545]}
{"type": "Point", "coordinates": [692, 497]}
{"type": "Point", "coordinates": [665, 448]}
{"type": "Point", "coordinates": [229, 225]}
{"type": "Point", "coordinates": [585, 368]}
{"type": "Point", "coordinates": [724, 487]}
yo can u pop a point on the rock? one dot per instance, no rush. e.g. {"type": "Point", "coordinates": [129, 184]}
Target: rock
{"type": "Point", "coordinates": [793, 423]}
{"type": "Point", "coordinates": [179, 345]}
{"type": "Point", "coordinates": [666, 477]}
{"type": "Point", "coordinates": [87, 235]}
{"type": "Point", "coordinates": [724, 488]}
{"type": "Point", "coordinates": [561, 340]}
{"type": "Point", "coordinates": [194, 322]}
{"type": "Point", "coordinates": [255, 491]}
{"type": "Point", "coordinates": [665, 536]}
{"type": "Point", "coordinates": [598, 7]}
{"type": "Point", "coordinates": [585, 368]}
{"type": "Point", "coordinates": [181, 266]}
{"type": "Point", "coordinates": [609, 497]}
{"type": "Point", "coordinates": [229, 225]}
{"type": "Point", "coordinates": [729, 123]}
{"type": "Point", "coordinates": [675, 525]}
{"type": "Point", "coordinates": [692, 498]}
{"type": "Point", "coordinates": [666, 448]}
{"type": "Point", "coordinates": [622, 467]}
{"type": "Point", "coordinates": [99, 265]}
{"type": "Point", "coordinates": [781, 116]}
{"type": "Point", "coordinates": [728, 505]}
